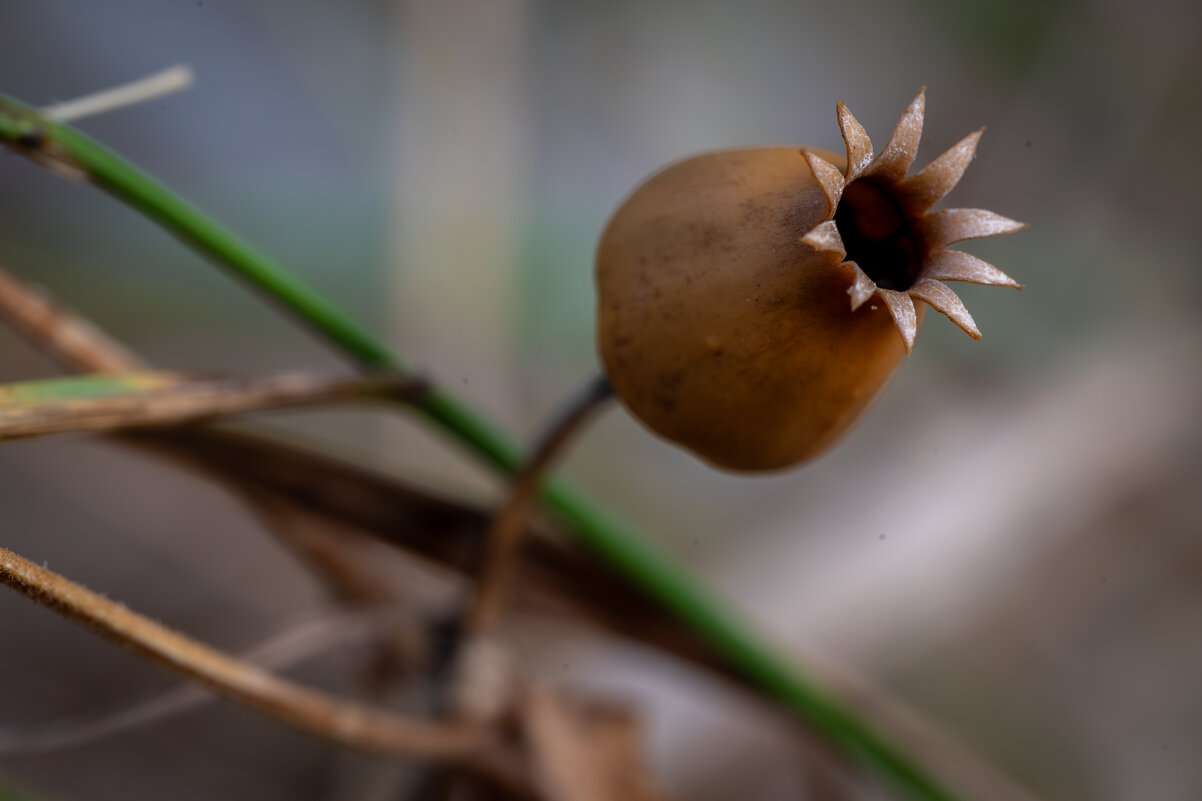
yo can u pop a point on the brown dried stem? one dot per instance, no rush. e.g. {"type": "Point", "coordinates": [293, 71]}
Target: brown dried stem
{"type": "Point", "coordinates": [323, 634]}
{"type": "Point", "coordinates": [465, 676]}
{"type": "Point", "coordinates": [346, 723]}
{"type": "Point", "coordinates": [507, 532]}
{"type": "Point", "coordinates": [148, 399]}
{"type": "Point", "coordinates": [66, 337]}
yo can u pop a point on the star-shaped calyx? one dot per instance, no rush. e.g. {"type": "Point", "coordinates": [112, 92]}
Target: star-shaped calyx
{"type": "Point", "coordinates": [880, 226]}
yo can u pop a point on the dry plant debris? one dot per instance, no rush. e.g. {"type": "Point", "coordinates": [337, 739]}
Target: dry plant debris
{"type": "Point", "coordinates": [131, 401]}
{"type": "Point", "coordinates": [536, 741]}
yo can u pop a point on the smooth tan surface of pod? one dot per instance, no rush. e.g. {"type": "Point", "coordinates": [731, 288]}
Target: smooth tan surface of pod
{"type": "Point", "coordinates": [723, 332]}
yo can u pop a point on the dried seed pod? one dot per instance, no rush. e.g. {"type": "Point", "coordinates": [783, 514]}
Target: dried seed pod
{"type": "Point", "coordinates": [725, 322]}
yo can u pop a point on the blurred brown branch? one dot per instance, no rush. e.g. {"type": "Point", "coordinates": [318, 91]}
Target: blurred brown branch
{"type": "Point", "coordinates": [149, 399]}
{"type": "Point", "coordinates": [62, 335]}
{"type": "Point", "coordinates": [507, 532]}
{"type": "Point", "coordinates": [343, 722]}
{"type": "Point", "coordinates": [285, 649]}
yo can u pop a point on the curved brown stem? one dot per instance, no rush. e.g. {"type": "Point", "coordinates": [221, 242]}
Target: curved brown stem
{"type": "Point", "coordinates": [350, 724]}
{"type": "Point", "coordinates": [507, 532]}
{"type": "Point", "coordinates": [66, 337]}
{"type": "Point", "coordinates": [297, 644]}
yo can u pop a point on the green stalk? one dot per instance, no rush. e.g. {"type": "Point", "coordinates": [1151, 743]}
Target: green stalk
{"type": "Point", "coordinates": [24, 130]}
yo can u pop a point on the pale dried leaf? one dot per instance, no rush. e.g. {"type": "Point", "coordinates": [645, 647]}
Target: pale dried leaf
{"type": "Point", "coordinates": [921, 191]}
{"type": "Point", "coordinates": [956, 265]}
{"type": "Point", "coordinates": [902, 309]}
{"type": "Point", "coordinates": [825, 237]}
{"type": "Point", "coordinates": [862, 288]}
{"type": "Point", "coordinates": [943, 228]}
{"type": "Point", "coordinates": [855, 138]}
{"type": "Point", "coordinates": [894, 161]}
{"type": "Point", "coordinates": [828, 177]}
{"type": "Point", "coordinates": [942, 299]}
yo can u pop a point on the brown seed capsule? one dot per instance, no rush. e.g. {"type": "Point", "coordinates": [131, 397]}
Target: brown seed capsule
{"type": "Point", "coordinates": [724, 319]}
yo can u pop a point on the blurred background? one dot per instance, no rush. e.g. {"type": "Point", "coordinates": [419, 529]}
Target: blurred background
{"type": "Point", "coordinates": [1010, 544]}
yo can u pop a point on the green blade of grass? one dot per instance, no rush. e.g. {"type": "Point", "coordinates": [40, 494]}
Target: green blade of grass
{"type": "Point", "coordinates": [68, 151]}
